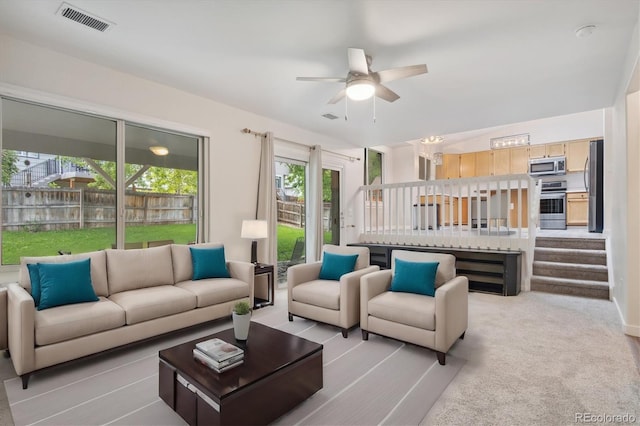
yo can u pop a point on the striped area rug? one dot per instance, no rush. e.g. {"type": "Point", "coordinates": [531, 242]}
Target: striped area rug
{"type": "Point", "coordinates": [380, 381]}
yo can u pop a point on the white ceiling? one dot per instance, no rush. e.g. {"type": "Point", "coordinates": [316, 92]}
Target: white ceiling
{"type": "Point", "coordinates": [490, 62]}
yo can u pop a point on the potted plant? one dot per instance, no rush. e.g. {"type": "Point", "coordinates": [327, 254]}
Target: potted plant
{"type": "Point", "coordinates": [241, 320]}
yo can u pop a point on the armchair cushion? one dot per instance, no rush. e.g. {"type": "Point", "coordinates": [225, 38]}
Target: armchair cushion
{"type": "Point", "coordinates": [411, 309]}
{"type": "Point", "coordinates": [336, 265]}
{"type": "Point", "coordinates": [415, 277]}
{"type": "Point", "coordinates": [323, 293]}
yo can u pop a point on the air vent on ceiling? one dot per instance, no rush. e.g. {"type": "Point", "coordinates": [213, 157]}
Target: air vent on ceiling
{"type": "Point", "coordinates": [82, 17]}
{"type": "Point", "coordinates": [330, 116]}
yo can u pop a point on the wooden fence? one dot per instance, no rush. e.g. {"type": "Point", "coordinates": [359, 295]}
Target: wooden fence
{"type": "Point", "coordinates": [48, 209]}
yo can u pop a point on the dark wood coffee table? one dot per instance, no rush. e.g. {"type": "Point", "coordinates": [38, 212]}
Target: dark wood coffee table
{"type": "Point", "coordinates": [280, 371]}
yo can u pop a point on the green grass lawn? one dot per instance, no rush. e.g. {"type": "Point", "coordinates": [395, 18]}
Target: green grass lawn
{"type": "Point", "coordinates": [47, 243]}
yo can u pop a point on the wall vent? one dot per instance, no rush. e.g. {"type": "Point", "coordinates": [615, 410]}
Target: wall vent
{"type": "Point", "coordinates": [82, 17]}
{"type": "Point", "coordinates": [330, 116]}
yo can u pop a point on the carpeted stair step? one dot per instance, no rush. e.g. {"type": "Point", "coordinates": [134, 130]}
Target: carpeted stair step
{"type": "Point", "coordinates": [571, 243]}
{"type": "Point", "coordinates": [563, 255]}
{"type": "Point", "coordinates": [571, 271]}
{"type": "Point", "coordinates": [584, 288]}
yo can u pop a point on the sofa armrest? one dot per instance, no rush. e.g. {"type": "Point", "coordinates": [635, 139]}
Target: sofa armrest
{"type": "Point", "coordinates": [21, 312]}
{"type": "Point", "coordinates": [243, 271]}
{"type": "Point", "coordinates": [372, 285]}
{"type": "Point", "coordinates": [452, 310]}
{"type": "Point", "coordinates": [350, 294]}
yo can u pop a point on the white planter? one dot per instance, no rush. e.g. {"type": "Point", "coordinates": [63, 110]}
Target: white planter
{"type": "Point", "coordinates": [241, 325]}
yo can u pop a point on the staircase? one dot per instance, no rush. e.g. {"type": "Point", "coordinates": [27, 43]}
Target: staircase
{"type": "Point", "coordinates": [574, 266]}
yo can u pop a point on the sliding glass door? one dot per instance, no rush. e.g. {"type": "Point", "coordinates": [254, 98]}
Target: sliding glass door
{"type": "Point", "coordinates": [291, 210]}
{"type": "Point", "coordinates": [74, 182]}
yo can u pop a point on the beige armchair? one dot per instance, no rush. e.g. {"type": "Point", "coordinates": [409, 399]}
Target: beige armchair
{"type": "Point", "coordinates": [330, 301]}
{"type": "Point", "coordinates": [433, 322]}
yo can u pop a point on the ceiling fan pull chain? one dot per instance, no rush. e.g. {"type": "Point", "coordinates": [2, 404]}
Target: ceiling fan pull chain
{"type": "Point", "coordinates": [346, 101]}
{"type": "Point", "coordinates": [374, 109]}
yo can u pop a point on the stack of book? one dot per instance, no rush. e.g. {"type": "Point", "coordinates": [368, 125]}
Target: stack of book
{"type": "Point", "coordinates": [218, 355]}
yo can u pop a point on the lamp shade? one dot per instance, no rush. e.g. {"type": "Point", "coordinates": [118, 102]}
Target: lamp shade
{"type": "Point", "coordinates": [254, 229]}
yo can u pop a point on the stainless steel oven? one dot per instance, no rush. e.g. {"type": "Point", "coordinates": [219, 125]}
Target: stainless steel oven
{"type": "Point", "coordinates": [553, 205]}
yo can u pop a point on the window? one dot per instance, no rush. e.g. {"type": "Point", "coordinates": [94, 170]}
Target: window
{"type": "Point", "coordinates": [67, 198]}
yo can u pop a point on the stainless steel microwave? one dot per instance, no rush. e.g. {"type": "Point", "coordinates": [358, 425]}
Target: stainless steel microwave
{"type": "Point", "coordinates": [548, 166]}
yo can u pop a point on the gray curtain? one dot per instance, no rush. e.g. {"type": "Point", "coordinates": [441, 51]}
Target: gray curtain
{"type": "Point", "coordinates": [314, 205]}
{"type": "Point", "coordinates": [266, 208]}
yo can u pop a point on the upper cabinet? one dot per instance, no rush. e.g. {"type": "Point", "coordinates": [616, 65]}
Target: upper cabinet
{"type": "Point", "coordinates": [468, 165]}
{"type": "Point", "coordinates": [484, 163]}
{"type": "Point", "coordinates": [519, 160]}
{"type": "Point", "coordinates": [450, 168]}
{"type": "Point", "coordinates": [546, 150]}
{"type": "Point", "coordinates": [577, 155]}
{"type": "Point", "coordinates": [501, 162]}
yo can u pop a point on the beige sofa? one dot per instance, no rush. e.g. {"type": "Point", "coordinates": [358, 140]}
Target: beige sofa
{"type": "Point", "coordinates": [142, 293]}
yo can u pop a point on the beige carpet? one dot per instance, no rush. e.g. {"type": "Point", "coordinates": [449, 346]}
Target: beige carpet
{"type": "Point", "coordinates": [540, 359]}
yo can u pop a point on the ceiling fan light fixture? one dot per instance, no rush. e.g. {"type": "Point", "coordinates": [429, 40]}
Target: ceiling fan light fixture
{"type": "Point", "coordinates": [159, 150]}
{"type": "Point", "coordinates": [360, 89]}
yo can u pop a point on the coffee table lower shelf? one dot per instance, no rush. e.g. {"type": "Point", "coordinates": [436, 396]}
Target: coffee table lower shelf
{"type": "Point", "coordinates": [239, 396]}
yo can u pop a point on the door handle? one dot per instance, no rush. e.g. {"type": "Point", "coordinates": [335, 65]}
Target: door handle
{"type": "Point", "coordinates": [584, 173]}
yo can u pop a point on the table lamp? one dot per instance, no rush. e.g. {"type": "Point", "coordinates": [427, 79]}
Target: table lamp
{"type": "Point", "coordinates": [254, 230]}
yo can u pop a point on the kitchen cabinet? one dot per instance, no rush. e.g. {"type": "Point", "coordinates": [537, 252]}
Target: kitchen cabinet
{"type": "Point", "coordinates": [577, 154]}
{"type": "Point", "coordinates": [501, 161]}
{"type": "Point", "coordinates": [577, 208]}
{"type": "Point", "coordinates": [450, 167]}
{"type": "Point", "coordinates": [448, 208]}
{"type": "Point", "coordinates": [546, 150]}
{"type": "Point", "coordinates": [519, 160]}
{"type": "Point", "coordinates": [468, 165]}
{"type": "Point", "coordinates": [484, 163]}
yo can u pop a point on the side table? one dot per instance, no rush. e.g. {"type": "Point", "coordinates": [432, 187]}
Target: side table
{"type": "Point", "coordinates": [263, 269]}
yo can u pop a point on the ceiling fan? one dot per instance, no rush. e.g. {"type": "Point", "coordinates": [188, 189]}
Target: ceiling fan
{"type": "Point", "coordinates": [362, 83]}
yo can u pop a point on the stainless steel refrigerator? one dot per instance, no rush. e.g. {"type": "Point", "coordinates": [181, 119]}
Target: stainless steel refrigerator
{"type": "Point", "coordinates": [594, 176]}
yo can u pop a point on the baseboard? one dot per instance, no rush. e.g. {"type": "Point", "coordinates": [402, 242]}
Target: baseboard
{"type": "Point", "coordinates": [631, 330]}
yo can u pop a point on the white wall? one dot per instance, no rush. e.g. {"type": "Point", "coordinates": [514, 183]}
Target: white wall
{"type": "Point", "coordinates": [622, 161]}
{"type": "Point", "coordinates": [234, 156]}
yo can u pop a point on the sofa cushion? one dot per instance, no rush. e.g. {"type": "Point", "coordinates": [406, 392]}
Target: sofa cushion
{"type": "Point", "coordinates": [322, 293]}
{"type": "Point", "coordinates": [411, 309]}
{"type": "Point", "coordinates": [65, 283]}
{"type": "Point", "coordinates": [208, 262]}
{"type": "Point", "coordinates": [139, 268]}
{"type": "Point", "coordinates": [81, 319]}
{"type": "Point", "coordinates": [182, 262]}
{"type": "Point", "coordinates": [216, 290]}
{"type": "Point", "coordinates": [415, 277]}
{"type": "Point", "coordinates": [336, 265]}
{"type": "Point", "coordinates": [98, 269]}
{"type": "Point", "coordinates": [154, 302]}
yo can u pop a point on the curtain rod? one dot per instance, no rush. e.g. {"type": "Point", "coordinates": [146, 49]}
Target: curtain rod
{"type": "Point", "coordinates": [348, 157]}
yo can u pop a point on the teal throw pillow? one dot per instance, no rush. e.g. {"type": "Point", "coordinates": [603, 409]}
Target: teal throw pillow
{"type": "Point", "coordinates": [209, 263]}
{"type": "Point", "coordinates": [34, 278]}
{"type": "Point", "coordinates": [336, 265]}
{"type": "Point", "coordinates": [65, 283]}
{"type": "Point", "coordinates": [415, 277]}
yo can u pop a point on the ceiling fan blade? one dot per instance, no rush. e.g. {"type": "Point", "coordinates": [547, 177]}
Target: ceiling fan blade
{"type": "Point", "coordinates": [328, 79]}
{"type": "Point", "coordinates": [341, 94]}
{"type": "Point", "coordinates": [386, 94]}
{"type": "Point", "coordinates": [357, 61]}
{"type": "Point", "coordinates": [401, 72]}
